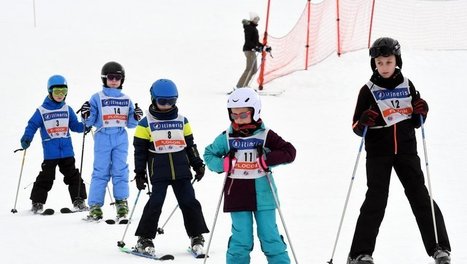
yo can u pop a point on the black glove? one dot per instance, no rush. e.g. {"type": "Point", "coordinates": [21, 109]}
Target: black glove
{"type": "Point", "coordinates": [258, 49]}
{"type": "Point", "coordinates": [87, 129]}
{"type": "Point", "coordinates": [85, 110]}
{"type": "Point", "coordinates": [199, 172]}
{"type": "Point", "coordinates": [25, 142]}
{"type": "Point", "coordinates": [420, 107]}
{"type": "Point", "coordinates": [268, 49]}
{"type": "Point", "coordinates": [368, 118]}
{"type": "Point", "coordinates": [138, 112]}
{"type": "Point", "coordinates": [141, 181]}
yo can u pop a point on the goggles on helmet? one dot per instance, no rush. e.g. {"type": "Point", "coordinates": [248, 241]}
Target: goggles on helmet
{"type": "Point", "coordinates": [60, 91]}
{"type": "Point", "coordinates": [385, 51]}
{"type": "Point", "coordinates": [113, 76]}
{"type": "Point", "coordinates": [166, 100]}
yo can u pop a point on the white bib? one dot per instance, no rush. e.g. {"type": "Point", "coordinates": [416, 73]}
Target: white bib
{"type": "Point", "coordinates": [114, 110]}
{"type": "Point", "coordinates": [55, 121]}
{"type": "Point", "coordinates": [395, 104]}
{"type": "Point", "coordinates": [246, 166]}
{"type": "Point", "coordinates": [168, 135]}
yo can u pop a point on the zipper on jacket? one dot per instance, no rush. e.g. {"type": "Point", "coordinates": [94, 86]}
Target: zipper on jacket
{"type": "Point", "coordinates": [395, 138]}
{"type": "Point", "coordinates": [172, 169]}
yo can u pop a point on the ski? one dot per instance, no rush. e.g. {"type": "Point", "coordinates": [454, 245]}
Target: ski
{"type": "Point", "coordinates": [66, 210]}
{"type": "Point", "coordinates": [270, 92]}
{"type": "Point", "coordinates": [91, 219]}
{"type": "Point", "coordinates": [199, 254]}
{"type": "Point", "coordinates": [48, 211]}
{"type": "Point", "coordinates": [120, 221]}
{"type": "Point", "coordinates": [139, 254]}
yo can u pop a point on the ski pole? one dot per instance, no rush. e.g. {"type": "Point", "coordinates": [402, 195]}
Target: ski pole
{"type": "Point", "coordinates": [215, 218]}
{"type": "Point", "coordinates": [429, 181]}
{"type": "Point", "coordinates": [276, 201]}
{"type": "Point", "coordinates": [160, 230]}
{"type": "Point", "coordinates": [19, 181]}
{"type": "Point", "coordinates": [121, 243]}
{"type": "Point", "coordinates": [348, 193]}
{"type": "Point", "coordinates": [80, 179]}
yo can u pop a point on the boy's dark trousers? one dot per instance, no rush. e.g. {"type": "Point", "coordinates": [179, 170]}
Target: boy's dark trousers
{"type": "Point", "coordinates": [191, 209]}
{"type": "Point", "coordinates": [46, 177]}
{"type": "Point", "coordinates": [410, 174]}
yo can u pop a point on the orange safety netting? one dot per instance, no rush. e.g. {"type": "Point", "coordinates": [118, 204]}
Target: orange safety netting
{"type": "Point", "coordinates": [347, 25]}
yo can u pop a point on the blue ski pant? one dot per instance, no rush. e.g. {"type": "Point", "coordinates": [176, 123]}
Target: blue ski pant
{"type": "Point", "coordinates": [110, 162]}
{"type": "Point", "coordinates": [241, 241]}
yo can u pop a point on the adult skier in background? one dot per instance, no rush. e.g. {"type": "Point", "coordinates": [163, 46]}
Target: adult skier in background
{"type": "Point", "coordinates": [110, 111]}
{"type": "Point", "coordinates": [245, 152]}
{"type": "Point", "coordinates": [250, 47]}
{"type": "Point", "coordinates": [389, 109]}
{"type": "Point", "coordinates": [165, 151]}
{"type": "Point", "coordinates": [55, 119]}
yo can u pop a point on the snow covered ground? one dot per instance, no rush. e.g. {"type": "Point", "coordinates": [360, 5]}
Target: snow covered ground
{"type": "Point", "coordinates": [198, 45]}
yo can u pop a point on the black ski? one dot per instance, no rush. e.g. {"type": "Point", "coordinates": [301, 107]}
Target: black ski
{"type": "Point", "coordinates": [66, 210]}
{"type": "Point", "coordinates": [48, 211]}
{"type": "Point", "coordinates": [139, 254]}
{"type": "Point", "coordinates": [120, 221]}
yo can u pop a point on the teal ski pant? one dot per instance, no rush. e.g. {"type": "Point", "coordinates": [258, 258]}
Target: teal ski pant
{"type": "Point", "coordinates": [241, 241]}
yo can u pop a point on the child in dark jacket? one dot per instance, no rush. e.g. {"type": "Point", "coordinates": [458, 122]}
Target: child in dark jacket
{"type": "Point", "coordinates": [389, 109]}
{"type": "Point", "coordinates": [164, 144]}
{"type": "Point", "coordinates": [55, 119]}
{"type": "Point", "coordinates": [245, 152]}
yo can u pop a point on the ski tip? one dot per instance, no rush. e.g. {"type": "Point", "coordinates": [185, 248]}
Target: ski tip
{"type": "Point", "coordinates": [66, 210]}
{"type": "Point", "coordinates": [48, 211]}
{"type": "Point", "coordinates": [167, 257]}
{"type": "Point", "coordinates": [110, 221]}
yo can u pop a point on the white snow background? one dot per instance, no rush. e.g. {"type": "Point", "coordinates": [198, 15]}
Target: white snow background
{"type": "Point", "coordinates": [198, 44]}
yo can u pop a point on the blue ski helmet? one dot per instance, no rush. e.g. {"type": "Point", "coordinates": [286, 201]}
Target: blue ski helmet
{"type": "Point", "coordinates": [54, 81]}
{"type": "Point", "coordinates": [163, 88]}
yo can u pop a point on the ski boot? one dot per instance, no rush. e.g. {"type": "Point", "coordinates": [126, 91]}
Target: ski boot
{"type": "Point", "coordinates": [122, 208]}
{"type": "Point", "coordinates": [442, 257]}
{"type": "Point", "coordinates": [80, 206]}
{"type": "Point", "coordinates": [361, 259]}
{"type": "Point", "coordinates": [197, 244]}
{"type": "Point", "coordinates": [95, 213]}
{"type": "Point", "coordinates": [145, 246]}
{"type": "Point", "coordinates": [37, 208]}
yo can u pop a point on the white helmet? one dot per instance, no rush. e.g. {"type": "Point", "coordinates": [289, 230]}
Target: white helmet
{"type": "Point", "coordinates": [245, 97]}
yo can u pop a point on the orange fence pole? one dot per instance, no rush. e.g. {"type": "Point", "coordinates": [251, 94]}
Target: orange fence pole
{"type": "Point", "coordinates": [371, 23]}
{"type": "Point", "coordinates": [307, 47]}
{"type": "Point", "coordinates": [263, 53]}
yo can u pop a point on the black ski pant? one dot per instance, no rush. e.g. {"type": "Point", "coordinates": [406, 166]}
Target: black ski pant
{"type": "Point", "coordinates": [410, 174]}
{"type": "Point", "coordinates": [46, 177]}
{"type": "Point", "coordinates": [191, 209]}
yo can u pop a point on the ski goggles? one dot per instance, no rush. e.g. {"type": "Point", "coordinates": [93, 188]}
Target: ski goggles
{"type": "Point", "coordinates": [241, 115]}
{"type": "Point", "coordinates": [166, 100]}
{"type": "Point", "coordinates": [60, 91]}
{"type": "Point", "coordinates": [385, 51]}
{"type": "Point", "coordinates": [113, 76]}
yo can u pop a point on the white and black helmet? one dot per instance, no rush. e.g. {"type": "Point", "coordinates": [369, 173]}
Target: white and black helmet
{"type": "Point", "coordinates": [245, 97]}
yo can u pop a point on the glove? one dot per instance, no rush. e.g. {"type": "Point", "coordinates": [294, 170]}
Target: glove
{"type": "Point", "coordinates": [141, 181]}
{"type": "Point", "coordinates": [229, 161]}
{"type": "Point", "coordinates": [261, 159]}
{"type": "Point", "coordinates": [138, 112]}
{"type": "Point", "coordinates": [368, 118]}
{"type": "Point", "coordinates": [25, 142]}
{"type": "Point", "coordinates": [420, 107]}
{"type": "Point", "coordinates": [268, 49]}
{"type": "Point", "coordinates": [85, 110]}
{"type": "Point", "coordinates": [199, 172]}
{"type": "Point", "coordinates": [87, 129]}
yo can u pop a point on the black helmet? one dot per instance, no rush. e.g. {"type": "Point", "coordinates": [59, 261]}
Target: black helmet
{"type": "Point", "coordinates": [385, 47]}
{"type": "Point", "coordinates": [112, 67]}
